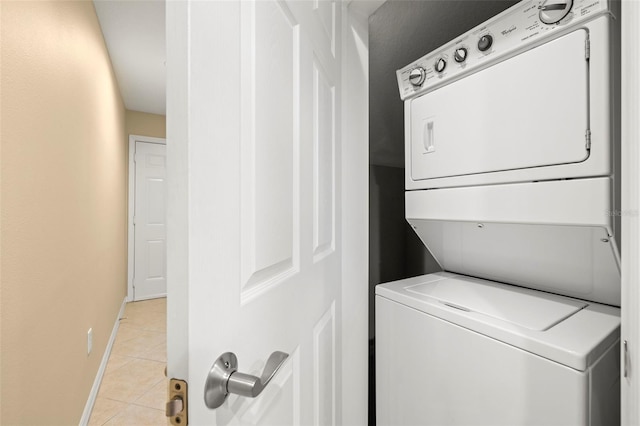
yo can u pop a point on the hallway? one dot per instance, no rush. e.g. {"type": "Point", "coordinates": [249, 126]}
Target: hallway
{"type": "Point", "coordinates": [133, 389]}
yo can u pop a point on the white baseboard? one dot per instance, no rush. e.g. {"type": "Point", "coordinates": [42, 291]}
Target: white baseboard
{"type": "Point", "coordinates": [151, 296]}
{"type": "Point", "coordinates": [88, 408]}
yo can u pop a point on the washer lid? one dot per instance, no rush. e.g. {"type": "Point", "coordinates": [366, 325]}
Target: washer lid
{"type": "Point", "coordinates": [565, 330]}
{"type": "Point", "coordinates": [534, 311]}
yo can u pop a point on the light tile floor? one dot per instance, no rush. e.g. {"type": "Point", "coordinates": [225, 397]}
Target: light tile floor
{"type": "Point", "coordinates": [134, 388]}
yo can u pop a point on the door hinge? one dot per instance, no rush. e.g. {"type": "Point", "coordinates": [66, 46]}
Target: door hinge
{"type": "Point", "coordinates": [176, 408]}
{"type": "Point", "coordinates": [134, 221]}
{"type": "Point", "coordinates": [587, 137]}
{"type": "Point", "coordinates": [587, 49]}
{"type": "Point", "coordinates": [625, 358]}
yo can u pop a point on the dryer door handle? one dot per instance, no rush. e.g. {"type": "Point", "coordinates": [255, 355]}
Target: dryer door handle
{"type": "Point", "coordinates": [428, 136]}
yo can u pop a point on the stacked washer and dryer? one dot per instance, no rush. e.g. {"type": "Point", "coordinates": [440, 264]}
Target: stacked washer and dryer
{"type": "Point", "coordinates": [512, 161]}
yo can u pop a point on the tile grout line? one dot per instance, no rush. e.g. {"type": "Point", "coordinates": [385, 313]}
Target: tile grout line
{"type": "Point", "coordinates": [148, 315]}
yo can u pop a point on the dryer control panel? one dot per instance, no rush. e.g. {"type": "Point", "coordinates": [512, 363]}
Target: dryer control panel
{"type": "Point", "coordinates": [515, 30]}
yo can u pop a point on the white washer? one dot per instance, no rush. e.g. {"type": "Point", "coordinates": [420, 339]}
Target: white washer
{"type": "Point", "coordinates": [512, 150]}
{"type": "Point", "coordinates": [455, 350]}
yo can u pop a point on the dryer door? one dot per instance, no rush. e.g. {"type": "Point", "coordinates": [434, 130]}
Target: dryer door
{"type": "Point", "coordinates": [528, 111]}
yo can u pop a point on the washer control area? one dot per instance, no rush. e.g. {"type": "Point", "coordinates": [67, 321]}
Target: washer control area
{"type": "Point", "coordinates": [460, 55]}
{"type": "Point", "coordinates": [417, 76]}
{"type": "Point", "coordinates": [554, 11]}
{"type": "Point", "coordinates": [485, 42]}
{"type": "Point", "coordinates": [531, 22]}
{"type": "Point", "coordinates": [440, 65]}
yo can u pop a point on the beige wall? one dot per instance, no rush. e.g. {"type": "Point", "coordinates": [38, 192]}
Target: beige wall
{"type": "Point", "coordinates": [144, 124]}
{"type": "Point", "coordinates": [63, 212]}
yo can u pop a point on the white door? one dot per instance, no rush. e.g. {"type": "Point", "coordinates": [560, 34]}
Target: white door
{"type": "Point", "coordinates": [149, 271]}
{"type": "Point", "coordinates": [255, 213]}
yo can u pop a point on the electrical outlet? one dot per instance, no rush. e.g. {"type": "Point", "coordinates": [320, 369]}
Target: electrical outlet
{"type": "Point", "coordinates": [89, 340]}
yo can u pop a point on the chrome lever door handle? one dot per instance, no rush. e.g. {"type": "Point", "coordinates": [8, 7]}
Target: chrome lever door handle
{"type": "Point", "coordinates": [224, 378]}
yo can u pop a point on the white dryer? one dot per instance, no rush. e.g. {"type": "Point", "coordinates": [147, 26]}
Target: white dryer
{"type": "Point", "coordinates": [512, 154]}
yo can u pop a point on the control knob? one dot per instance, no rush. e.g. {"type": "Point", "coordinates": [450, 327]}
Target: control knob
{"type": "Point", "coordinates": [417, 76]}
{"type": "Point", "coordinates": [440, 65]}
{"type": "Point", "coordinates": [554, 11]}
{"type": "Point", "coordinates": [460, 55]}
{"type": "Point", "coordinates": [485, 42]}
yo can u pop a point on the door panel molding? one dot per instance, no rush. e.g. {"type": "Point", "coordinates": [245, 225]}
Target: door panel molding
{"type": "Point", "coordinates": [324, 162]}
{"type": "Point", "coordinates": [324, 369]}
{"type": "Point", "coordinates": [270, 146]}
{"type": "Point", "coordinates": [325, 11]}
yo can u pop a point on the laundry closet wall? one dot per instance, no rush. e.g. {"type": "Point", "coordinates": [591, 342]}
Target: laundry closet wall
{"type": "Point", "coordinates": [399, 33]}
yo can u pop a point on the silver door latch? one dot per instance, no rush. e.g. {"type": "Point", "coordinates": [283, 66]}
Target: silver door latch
{"type": "Point", "coordinates": [224, 378]}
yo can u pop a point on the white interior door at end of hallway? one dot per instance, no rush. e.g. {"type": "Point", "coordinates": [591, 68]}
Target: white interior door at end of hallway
{"type": "Point", "coordinates": [149, 270]}
{"type": "Point", "coordinates": [255, 254]}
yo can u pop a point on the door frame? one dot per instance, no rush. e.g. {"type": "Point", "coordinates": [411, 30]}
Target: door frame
{"type": "Point", "coordinates": [630, 136]}
{"type": "Point", "coordinates": [132, 206]}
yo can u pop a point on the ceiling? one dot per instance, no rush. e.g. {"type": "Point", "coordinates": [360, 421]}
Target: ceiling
{"type": "Point", "coordinates": [134, 31]}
